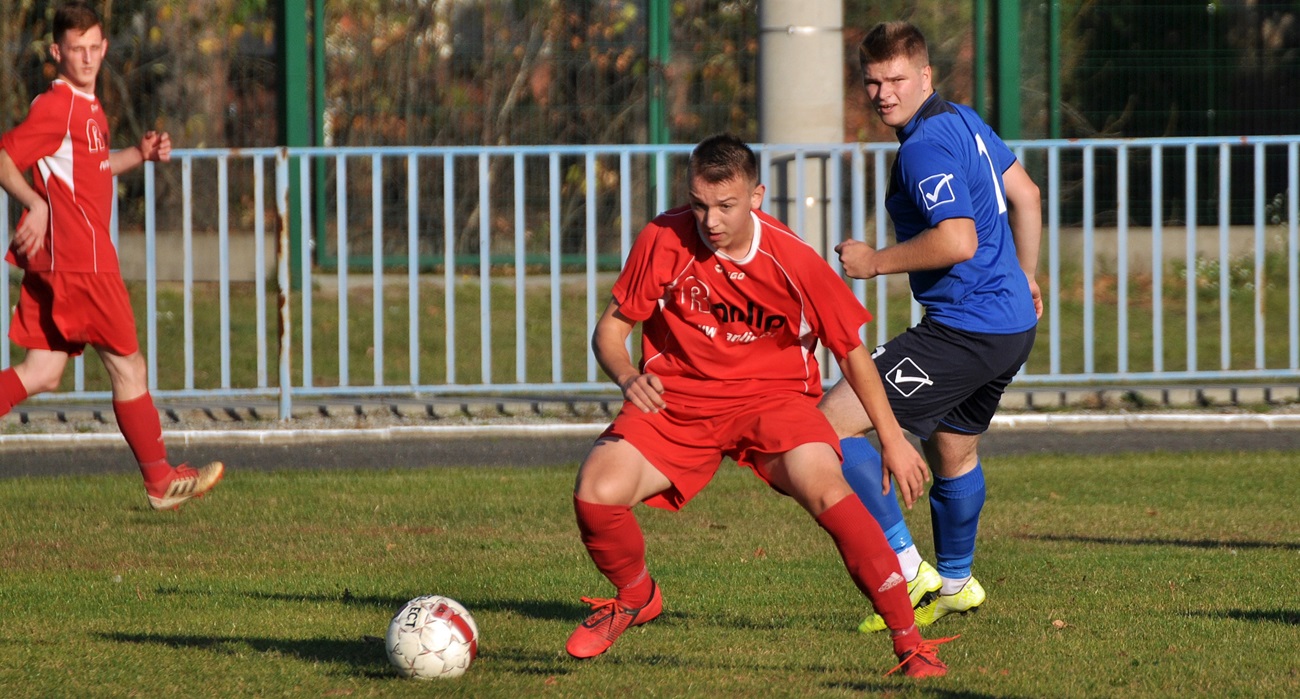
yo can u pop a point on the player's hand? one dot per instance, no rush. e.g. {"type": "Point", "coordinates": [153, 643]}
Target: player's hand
{"type": "Point", "coordinates": [1037, 295]}
{"type": "Point", "coordinates": [156, 146]}
{"type": "Point", "coordinates": [30, 236]}
{"type": "Point", "coordinates": [857, 258]}
{"type": "Point", "coordinates": [645, 391]}
{"type": "Point", "coordinates": [909, 470]}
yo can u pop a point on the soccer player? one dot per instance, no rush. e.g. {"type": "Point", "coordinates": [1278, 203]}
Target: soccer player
{"type": "Point", "coordinates": [72, 292]}
{"type": "Point", "coordinates": [967, 218]}
{"type": "Point", "coordinates": [732, 305]}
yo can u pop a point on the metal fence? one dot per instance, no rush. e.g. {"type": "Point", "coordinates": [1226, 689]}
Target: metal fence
{"type": "Point", "coordinates": [475, 271]}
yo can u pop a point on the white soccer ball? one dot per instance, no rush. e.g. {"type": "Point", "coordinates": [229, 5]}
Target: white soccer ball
{"type": "Point", "coordinates": [432, 637]}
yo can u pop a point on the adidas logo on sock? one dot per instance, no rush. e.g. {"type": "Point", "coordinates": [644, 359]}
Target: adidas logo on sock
{"type": "Point", "coordinates": [894, 580]}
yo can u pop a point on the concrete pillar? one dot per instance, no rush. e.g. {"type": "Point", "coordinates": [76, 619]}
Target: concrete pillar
{"type": "Point", "coordinates": [801, 100]}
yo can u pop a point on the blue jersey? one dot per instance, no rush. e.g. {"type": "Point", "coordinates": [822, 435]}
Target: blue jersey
{"type": "Point", "coordinates": [950, 165]}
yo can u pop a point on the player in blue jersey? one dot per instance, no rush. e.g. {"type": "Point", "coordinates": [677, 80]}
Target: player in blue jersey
{"type": "Point", "coordinates": [967, 218]}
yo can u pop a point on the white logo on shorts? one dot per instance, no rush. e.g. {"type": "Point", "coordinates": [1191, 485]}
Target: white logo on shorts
{"type": "Point", "coordinates": [907, 378]}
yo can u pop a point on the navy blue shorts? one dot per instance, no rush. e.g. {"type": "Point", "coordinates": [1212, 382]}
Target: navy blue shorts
{"type": "Point", "coordinates": [936, 375]}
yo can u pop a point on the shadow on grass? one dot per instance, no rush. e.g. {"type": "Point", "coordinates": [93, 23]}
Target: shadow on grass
{"type": "Point", "coordinates": [1278, 616]}
{"type": "Point", "coordinates": [1148, 541]}
{"type": "Point", "coordinates": [363, 657]}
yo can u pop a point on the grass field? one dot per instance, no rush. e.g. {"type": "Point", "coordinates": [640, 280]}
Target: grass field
{"type": "Point", "coordinates": [1135, 576]}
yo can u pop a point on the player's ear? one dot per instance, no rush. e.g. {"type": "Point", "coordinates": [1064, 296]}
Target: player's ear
{"type": "Point", "coordinates": [54, 51]}
{"type": "Point", "coordinates": [756, 199]}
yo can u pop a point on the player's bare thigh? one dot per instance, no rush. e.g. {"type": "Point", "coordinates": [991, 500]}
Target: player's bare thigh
{"type": "Point", "coordinates": [616, 473]}
{"type": "Point", "coordinates": [844, 410]}
{"type": "Point", "coordinates": [951, 454]}
{"type": "Point", "coordinates": [810, 473]}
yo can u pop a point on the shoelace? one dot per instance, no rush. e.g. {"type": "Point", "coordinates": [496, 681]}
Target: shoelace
{"type": "Point", "coordinates": [926, 649]}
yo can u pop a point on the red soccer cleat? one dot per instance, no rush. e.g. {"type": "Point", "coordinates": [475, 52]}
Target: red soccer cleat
{"type": "Point", "coordinates": [922, 659]}
{"type": "Point", "coordinates": [609, 619]}
{"type": "Point", "coordinates": [183, 483]}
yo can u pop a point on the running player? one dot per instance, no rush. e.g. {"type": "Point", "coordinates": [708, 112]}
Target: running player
{"type": "Point", "coordinates": [732, 305]}
{"type": "Point", "coordinates": [968, 219]}
{"type": "Point", "coordinates": [72, 292]}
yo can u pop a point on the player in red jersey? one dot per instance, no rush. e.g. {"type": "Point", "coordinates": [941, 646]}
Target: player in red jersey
{"type": "Point", "coordinates": [72, 291]}
{"type": "Point", "coordinates": [732, 305]}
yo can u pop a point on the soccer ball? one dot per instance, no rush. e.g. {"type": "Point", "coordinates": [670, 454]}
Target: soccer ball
{"type": "Point", "coordinates": [432, 637]}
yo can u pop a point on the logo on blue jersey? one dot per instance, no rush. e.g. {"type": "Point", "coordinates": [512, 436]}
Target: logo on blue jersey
{"type": "Point", "coordinates": [936, 190]}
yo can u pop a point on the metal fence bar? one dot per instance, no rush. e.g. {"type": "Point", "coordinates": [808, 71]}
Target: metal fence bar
{"type": "Point", "coordinates": [1121, 258]}
{"type": "Point", "coordinates": [553, 187]}
{"type": "Point", "coordinates": [521, 273]}
{"type": "Point", "coordinates": [1293, 251]}
{"type": "Point", "coordinates": [151, 276]}
{"type": "Point", "coordinates": [223, 264]}
{"type": "Point", "coordinates": [413, 269]}
{"type": "Point", "coordinates": [1191, 270]}
{"type": "Point", "coordinates": [341, 274]}
{"type": "Point", "coordinates": [1157, 260]}
{"type": "Point", "coordinates": [1261, 280]}
{"type": "Point", "coordinates": [305, 270]}
{"type": "Point", "coordinates": [1053, 300]}
{"type": "Point", "coordinates": [259, 264]}
{"type": "Point", "coordinates": [449, 262]}
{"type": "Point", "coordinates": [284, 282]}
{"type": "Point", "coordinates": [1225, 257]}
{"type": "Point", "coordinates": [1089, 259]}
{"type": "Point", "coordinates": [485, 268]}
{"type": "Point", "coordinates": [376, 265]}
{"type": "Point", "coordinates": [590, 243]}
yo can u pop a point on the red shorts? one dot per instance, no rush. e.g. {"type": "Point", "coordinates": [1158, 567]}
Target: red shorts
{"type": "Point", "coordinates": [65, 311]}
{"type": "Point", "coordinates": [688, 443]}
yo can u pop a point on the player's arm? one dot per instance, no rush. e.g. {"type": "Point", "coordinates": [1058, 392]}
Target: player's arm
{"type": "Point", "coordinates": [30, 235]}
{"type": "Point", "coordinates": [897, 455]}
{"type": "Point", "coordinates": [153, 145]}
{"type": "Point", "coordinates": [609, 344]}
{"type": "Point", "coordinates": [1025, 214]}
{"type": "Point", "coordinates": [951, 241]}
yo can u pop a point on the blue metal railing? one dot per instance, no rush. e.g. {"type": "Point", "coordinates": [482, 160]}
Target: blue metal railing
{"type": "Point", "coordinates": [548, 226]}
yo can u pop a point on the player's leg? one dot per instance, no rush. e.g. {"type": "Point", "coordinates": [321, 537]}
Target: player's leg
{"type": "Point", "coordinates": [810, 474]}
{"type": "Point", "coordinates": [40, 372]}
{"type": "Point", "coordinates": [862, 469]}
{"type": "Point", "coordinates": [956, 500]}
{"type": "Point", "coordinates": [168, 487]}
{"type": "Point", "coordinates": [613, 478]}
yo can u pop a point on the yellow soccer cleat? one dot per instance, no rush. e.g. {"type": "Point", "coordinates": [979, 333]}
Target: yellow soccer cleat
{"type": "Point", "coordinates": [967, 600]}
{"type": "Point", "coordinates": [922, 589]}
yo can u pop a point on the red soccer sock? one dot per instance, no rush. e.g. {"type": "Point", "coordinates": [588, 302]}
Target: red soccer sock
{"type": "Point", "coordinates": [138, 421]}
{"type": "Point", "coordinates": [614, 542]}
{"type": "Point", "coordinates": [871, 562]}
{"type": "Point", "coordinates": [12, 391]}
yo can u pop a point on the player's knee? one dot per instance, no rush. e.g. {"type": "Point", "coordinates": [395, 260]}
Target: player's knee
{"type": "Point", "coordinates": [41, 378]}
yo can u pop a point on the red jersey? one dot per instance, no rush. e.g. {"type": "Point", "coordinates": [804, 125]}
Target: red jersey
{"type": "Point", "coordinates": [718, 327]}
{"type": "Point", "coordinates": [65, 137]}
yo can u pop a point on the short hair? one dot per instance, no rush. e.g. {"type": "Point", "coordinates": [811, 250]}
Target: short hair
{"type": "Point", "coordinates": [721, 158]}
{"type": "Point", "coordinates": [78, 16]}
{"type": "Point", "coordinates": [889, 40]}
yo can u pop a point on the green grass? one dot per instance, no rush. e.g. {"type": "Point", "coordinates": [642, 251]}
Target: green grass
{"type": "Point", "coordinates": [1116, 576]}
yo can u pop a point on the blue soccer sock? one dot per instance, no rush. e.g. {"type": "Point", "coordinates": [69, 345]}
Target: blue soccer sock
{"type": "Point", "coordinates": [955, 505]}
{"type": "Point", "coordinates": [862, 471]}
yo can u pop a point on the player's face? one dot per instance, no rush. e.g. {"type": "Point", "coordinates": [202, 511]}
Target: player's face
{"type": "Point", "coordinates": [897, 88]}
{"type": "Point", "coordinates": [722, 213]}
{"type": "Point", "coordinates": [78, 56]}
